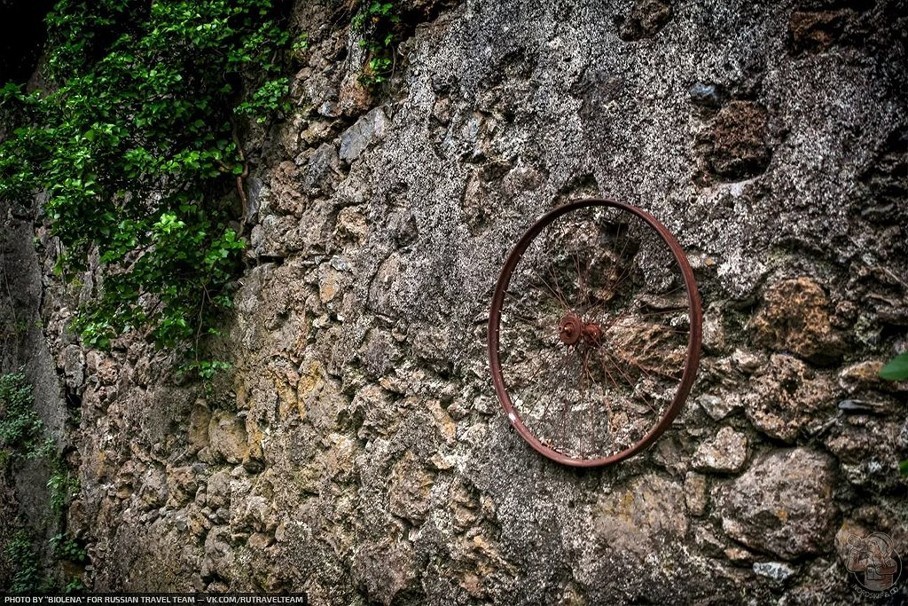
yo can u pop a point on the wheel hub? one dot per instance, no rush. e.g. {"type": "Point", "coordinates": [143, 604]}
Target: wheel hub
{"type": "Point", "coordinates": [571, 329]}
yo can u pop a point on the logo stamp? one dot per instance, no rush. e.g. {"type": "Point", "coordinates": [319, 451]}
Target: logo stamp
{"type": "Point", "coordinates": [874, 565]}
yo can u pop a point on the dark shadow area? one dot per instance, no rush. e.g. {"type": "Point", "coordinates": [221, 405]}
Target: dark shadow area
{"type": "Point", "coordinates": [22, 36]}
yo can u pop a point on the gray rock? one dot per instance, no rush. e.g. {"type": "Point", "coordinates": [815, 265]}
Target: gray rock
{"type": "Point", "coordinates": [358, 137]}
{"type": "Point", "coordinates": [705, 95]}
{"type": "Point", "coordinates": [219, 555]}
{"type": "Point", "coordinates": [385, 569]}
{"type": "Point", "coordinates": [218, 489]}
{"type": "Point", "coordinates": [787, 398]}
{"type": "Point", "coordinates": [322, 169]}
{"type": "Point", "coordinates": [719, 406]}
{"type": "Point", "coordinates": [868, 448]}
{"type": "Point", "coordinates": [227, 437]}
{"type": "Point", "coordinates": [254, 188]}
{"type": "Point", "coordinates": [153, 488]}
{"type": "Point", "coordinates": [725, 453]}
{"type": "Point", "coordinates": [74, 366]}
{"type": "Point", "coordinates": [775, 571]}
{"type": "Point", "coordinates": [783, 504]}
{"type": "Point", "coordinates": [409, 488]}
{"type": "Point", "coordinates": [714, 336]}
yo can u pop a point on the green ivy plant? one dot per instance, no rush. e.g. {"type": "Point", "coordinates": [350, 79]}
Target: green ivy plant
{"type": "Point", "coordinates": [897, 370]}
{"type": "Point", "coordinates": [22, 437]}
{"type": "Point", "coordinates": [63, 487]}
{"type": "Point", "coordinates": [21, 429]}
{"type": "Point", "coordinates": [67, 548]}
{"type": "Point", "coordinates": [20, 551]}
{"type": "Point", "coordinates": [377, 23]}
{"type": "Point", "coordinates": [135, 142]}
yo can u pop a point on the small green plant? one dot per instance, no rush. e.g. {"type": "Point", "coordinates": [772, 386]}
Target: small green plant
{"type": "Point", "coordinates": [21, 429]}
{"type": "Point", "coordinates": [67, 548]}
{"type": "Point", "coordinates": [377, 23]}
{"type": "Point", "coordinates": [74, 585]}
{"type": "Point", "coordinates": [301, 43]}
{"type": "Point", "coordinates": [205, 370]}
{"type": "Point", "coordinates": [897, 370]}
{"type": "Point", "coordinates": [21, 438]}
{"type": "Point", "coordinates": [20, 554]}
{"type": "Point", "coordinates": [63, 488]}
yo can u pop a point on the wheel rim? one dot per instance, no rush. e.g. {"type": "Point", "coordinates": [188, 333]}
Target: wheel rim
{"type": "Point", "coordinates": [594, 332]}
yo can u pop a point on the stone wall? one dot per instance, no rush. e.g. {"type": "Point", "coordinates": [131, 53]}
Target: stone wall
{"type": "Point", "coordinates": [24, 497]}
{"type": "Point", "coordinates": [357, 451]}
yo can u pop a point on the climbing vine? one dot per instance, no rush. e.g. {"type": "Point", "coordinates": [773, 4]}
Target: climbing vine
{"type": "Point", "coordinates": [378, 24]}
{"type": "Point", "coordinates": [24, 437]}
{"type": "Point", "coordinates": [135, 142]}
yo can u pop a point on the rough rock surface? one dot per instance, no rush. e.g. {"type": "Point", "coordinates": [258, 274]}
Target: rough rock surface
{"type": "Point", "coordinates": [796, 317]}
{"type": "Point", "coordinates": [788, 399]}
{"type": "Point", "coordinates": [727, 452]}
{"type": "Point", "coordinates": [356, 450]}
{"type": "Point", "coordinates": [783, 504]}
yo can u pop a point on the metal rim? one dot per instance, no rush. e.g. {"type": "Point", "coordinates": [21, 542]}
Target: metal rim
{"type": "Point", "coordinates": [693, 345]}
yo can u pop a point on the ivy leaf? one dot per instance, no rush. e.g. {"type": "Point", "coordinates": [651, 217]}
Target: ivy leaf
{"type": "Point", "coordinates": [903, 467]}
{"type": "Point", "coordinates": [896, 369]}
{"type": "Point", "coordinates": [133, 140]}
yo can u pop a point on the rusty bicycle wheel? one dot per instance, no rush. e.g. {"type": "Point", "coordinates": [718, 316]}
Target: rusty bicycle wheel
{"type": "Point", "coordinates": [594, 332]}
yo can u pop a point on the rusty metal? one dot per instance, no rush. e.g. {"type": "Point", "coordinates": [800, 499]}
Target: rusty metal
{"type": "Point", "coordinates": [592, 334]}
{"type": "Point", "coordinates": [573, 332]}
{"type": "Point", "coordinates": [570, 329]}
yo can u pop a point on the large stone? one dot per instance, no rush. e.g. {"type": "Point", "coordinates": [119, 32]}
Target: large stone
{"type": "Point", "coordinates": [737, 147]}
{"type": "Point", "coordinates": [787, 398]}
{"type": "Point", "coordinates": [725, 453]}
{"type": "Point", "coordinates": [783, 504]}
{"type": "Point", "coordinates": [218, 489]}
{"type": "Point", "coordinates": [869, 449]}
{"type": "Point", "coordinates": [358, 137]}
{"type": "Point", "coordinates": [638, 519]}
{"type": "Point", "coordinates": [385, 569]}
{"type": "Point", "coordinates": [795, 317]}
{"type": "Point", "coordinates": [227, 437]}
{"type": "Point", "coordinates": [182, 483]}
{"type": "Point", "coordinates": [219, 555]}
{"type": "Point", "coordinates": [410, 488]}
